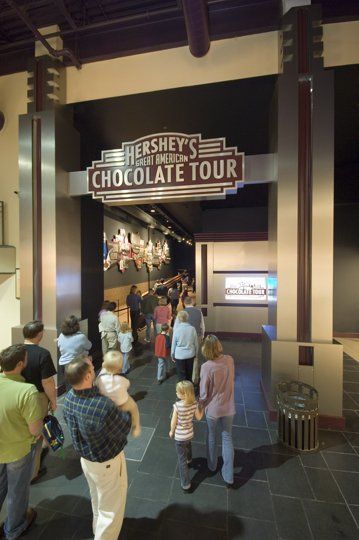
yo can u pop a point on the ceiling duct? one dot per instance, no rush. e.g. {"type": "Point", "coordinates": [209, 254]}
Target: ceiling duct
{"type": "Point", "coordinates": [197, 26]}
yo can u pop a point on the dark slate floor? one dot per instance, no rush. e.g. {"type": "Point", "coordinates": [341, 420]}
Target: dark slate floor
{"type": "Point", "coordinates": [277, 494]}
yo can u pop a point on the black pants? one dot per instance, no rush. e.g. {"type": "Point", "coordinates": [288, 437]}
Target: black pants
{"type": "Point", "coordinates": [184, 369]}
{"type": "Point", "coordinates": [134, 316]}
{"type": "Point", "coordinates": [174, 304]}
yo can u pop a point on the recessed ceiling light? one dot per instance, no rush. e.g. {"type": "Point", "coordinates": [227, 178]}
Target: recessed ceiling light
{"type": "Point", "coordinates": [153, 210]}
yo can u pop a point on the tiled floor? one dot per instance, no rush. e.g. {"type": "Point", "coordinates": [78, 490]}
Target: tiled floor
{"type": "Point", "coordinates": [277, 494]}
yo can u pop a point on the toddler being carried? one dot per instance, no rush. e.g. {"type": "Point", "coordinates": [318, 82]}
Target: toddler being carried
{"type": "Point", "coordinates": [115, 386]}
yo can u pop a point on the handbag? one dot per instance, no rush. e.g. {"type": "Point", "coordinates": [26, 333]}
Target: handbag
{"type": "Point", "coordinates": [52, 432]}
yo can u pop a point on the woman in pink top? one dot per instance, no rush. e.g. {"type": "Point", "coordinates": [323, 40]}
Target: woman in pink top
{"type": "Point", "coordinates": [162, 314]}
{"type": "Point", "coordinates": [217, 398]}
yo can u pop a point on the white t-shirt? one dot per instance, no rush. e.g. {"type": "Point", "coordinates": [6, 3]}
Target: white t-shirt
{"type": "Point", "coordinates": [125, 340]}
{"type": "Point", "coordinates": [113, 386]}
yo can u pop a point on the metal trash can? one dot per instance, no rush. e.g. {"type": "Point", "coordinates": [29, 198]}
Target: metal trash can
{"type": "Point", "coordinates": [298, 416]}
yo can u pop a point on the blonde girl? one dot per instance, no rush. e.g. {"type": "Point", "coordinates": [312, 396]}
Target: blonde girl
{"type": "Point", "coordinates": [125, 339]}
{"type": "Point", "coordinates": [182, 428]}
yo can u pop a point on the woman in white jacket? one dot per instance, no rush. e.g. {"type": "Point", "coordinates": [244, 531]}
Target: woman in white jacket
{"type": "Point", "coordinates": [184, 347]}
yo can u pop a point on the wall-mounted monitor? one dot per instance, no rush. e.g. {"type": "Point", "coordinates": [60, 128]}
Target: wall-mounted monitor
{"type": "Point", "coordinates": [240, 288]}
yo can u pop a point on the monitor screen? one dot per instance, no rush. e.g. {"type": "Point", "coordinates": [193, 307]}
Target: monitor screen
{"type": "Point", "coordinates": [245, 288]}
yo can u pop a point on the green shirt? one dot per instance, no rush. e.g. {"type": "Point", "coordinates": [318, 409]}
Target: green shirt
{"type": "Point", "coordinates": [19, 406]}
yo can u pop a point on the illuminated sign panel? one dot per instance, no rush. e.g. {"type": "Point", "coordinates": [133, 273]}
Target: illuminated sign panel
{"type": "Point", "coordinates": [246, 288]}
{"type": "Point", "coordinates": [166, 166]}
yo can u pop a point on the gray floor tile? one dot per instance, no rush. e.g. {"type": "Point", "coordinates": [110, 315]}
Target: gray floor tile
{"type": "Point", "coordinates": [323, 485]}
{"type": "Point", "coordinates": [160, 457]}
{"type": "Point", "coordinates": [349, 485]}
{"type": "Point", "coordinates": [150, 486]}
{"type": "Point", "coordinates": [249, 438]}
{"type": "Point", "coordinates": [289, 479]}
{"type": "Point", "coordinates": [254, 401]}
{"type": "Point", "coordinates": [342, 462]}
{"type": "Point", "coordinates": [355, 511]}
{"type": "Point", "coordinates": [334, 441]}
{"type": "Point", "coordinates": [143, 514]}
{"type": "Point", "coordinates": [206, 506]}
{"type": "Point", "coordinates": [351, 421]}
{"type": "Point", "coordinates": [136, 448]}
{"type": "Point", "coordinates": [330, 521]}
{"type": "Point", "coordinates": [250, 529]}
{"type": "Point", "coordinates": [177, 530]}
{"type": "Point", "coordinates": [256, 419]}
{"type": "Point", "coordinates": [252, 500]}
{"type": "Point", "coordinates": [313, 460]}
{"type": "Point", "coordinates": [240, 417]}
{"type": "Point", "coordinates": [291, 520]}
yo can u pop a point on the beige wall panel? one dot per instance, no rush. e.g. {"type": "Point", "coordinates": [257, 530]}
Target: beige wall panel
{"type": "Point", "coordinates": [323, 218]}
{"type": "Point", "coordinates": [227, 59]}
{"type": "Point", "coordinates": [238, 319]}
{"type": "Point", "coordinates": [287, 257]}
{"type": "Point", "coordinates": [306, 374]}
{"type": "Point", "coordinates": [284, 363]}
{"type": "Point", "coordinates": [328, 378]}
{"type": "Point", "coordinates": [240, 256]}
{"type": "Point", "coordinates": [341, 43]}
{"type": "Point", "coordinates": [198, 272]}
{"type": "Point", "coordinates": [13, 91]}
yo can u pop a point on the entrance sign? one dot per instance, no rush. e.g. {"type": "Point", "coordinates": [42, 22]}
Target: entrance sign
{"type": "Point", "coordinates": [166, 166]}
{"type": "Point", "coordinates": [248, 288]}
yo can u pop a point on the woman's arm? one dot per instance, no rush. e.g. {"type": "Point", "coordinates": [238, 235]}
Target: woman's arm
{"type": "Point", "coordinates": [173, 421]}
{"type": "Point", "coordinates": [199, 412]}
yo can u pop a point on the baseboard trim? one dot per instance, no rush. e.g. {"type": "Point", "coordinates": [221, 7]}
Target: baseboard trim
{"type": "Point", "coordinates": [350, 335]}
{"type": "Point", "coordinates": [325, 422]}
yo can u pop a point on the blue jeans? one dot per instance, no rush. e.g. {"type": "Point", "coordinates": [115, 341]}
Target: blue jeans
{"type": "Point", "coordinates": [126, 362]}
{"type": "Point", "coordinates": [224, 425]}
{"type": "Point", "coordinates": [162, 368]}
{"type": "Point", "coordinates": [150, 319]}
{"type": "Point", "coordinates": [15, 480]}
{"type": "Point", "coordinates": [184, 454]}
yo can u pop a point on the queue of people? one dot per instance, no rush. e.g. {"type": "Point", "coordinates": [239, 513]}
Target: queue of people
{"type": "Point", "coordinates": [99, 411]}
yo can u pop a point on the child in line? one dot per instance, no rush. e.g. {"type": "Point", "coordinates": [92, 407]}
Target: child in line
{"type": "Point", "coordinates": [108, 327]}
{"type": "Point", "coordinates": [162, 350]}
{"type": "Point", "coordinates": [182, 428]}
{"type": "Point", "coordinates": [125, 339]}
{"type": "Point", "coordinates": [114, 386]}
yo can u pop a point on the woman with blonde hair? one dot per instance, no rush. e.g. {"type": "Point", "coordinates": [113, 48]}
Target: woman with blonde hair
{"type": "Point", "coordinates": [162, 314]}
{"type": "Point", "coordinates": [217, 398]}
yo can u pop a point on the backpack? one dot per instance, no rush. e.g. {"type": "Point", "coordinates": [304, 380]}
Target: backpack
{"type": "Point", "coordinates": [52, 432]}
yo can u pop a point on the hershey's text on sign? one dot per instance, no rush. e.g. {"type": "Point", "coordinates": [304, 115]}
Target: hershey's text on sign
{"type": "Point", "coordinates": [166, 166]}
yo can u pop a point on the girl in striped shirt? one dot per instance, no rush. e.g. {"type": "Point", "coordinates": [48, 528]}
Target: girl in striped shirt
{"type": "Point", "coordinates": [182, 428]}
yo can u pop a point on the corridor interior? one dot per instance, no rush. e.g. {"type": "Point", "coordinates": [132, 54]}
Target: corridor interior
{"type": "Point", "coordinates": [277, 494]}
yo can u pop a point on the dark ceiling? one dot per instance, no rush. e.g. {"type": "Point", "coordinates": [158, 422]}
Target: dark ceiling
{"type": "Point", "coordinates": [98, 29]}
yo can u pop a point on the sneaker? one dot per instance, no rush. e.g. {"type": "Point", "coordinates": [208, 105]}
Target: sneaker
{"type": "Point", "coordinates": [189, 462]}
{"type": "Point", "coordinates": [147, 340]}
{"type": "Point", "coordinates": [31, 516]}
{"type": "Point", "coordinates": [186, 489]}
{"type": "Point", "coordinates": [160, 381]}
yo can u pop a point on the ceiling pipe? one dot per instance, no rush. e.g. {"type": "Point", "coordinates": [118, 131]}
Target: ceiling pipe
{"type": "Point", "coordinates": [38, 36]}
{"type": "Point", "coordinates": [196, 19]}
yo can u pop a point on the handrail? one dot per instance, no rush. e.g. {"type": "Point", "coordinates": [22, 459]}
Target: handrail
{"type": "Point", "coordinates": [170, 281]}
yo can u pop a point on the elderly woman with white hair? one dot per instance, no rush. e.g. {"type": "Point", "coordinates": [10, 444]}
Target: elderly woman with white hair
{"type": "Point", "coordinates": [184, 347]}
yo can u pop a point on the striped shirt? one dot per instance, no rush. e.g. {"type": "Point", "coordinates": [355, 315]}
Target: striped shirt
{"type": "Point", "coordinates": [184, 427]}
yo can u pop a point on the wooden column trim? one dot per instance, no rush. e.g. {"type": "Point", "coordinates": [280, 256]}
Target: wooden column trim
{"type": "Point", "coordinates": [305, 184]}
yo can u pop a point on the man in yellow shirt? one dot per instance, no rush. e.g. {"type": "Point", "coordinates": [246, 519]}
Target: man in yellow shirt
{"type": "Point", "coordinates": [20, 425]}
